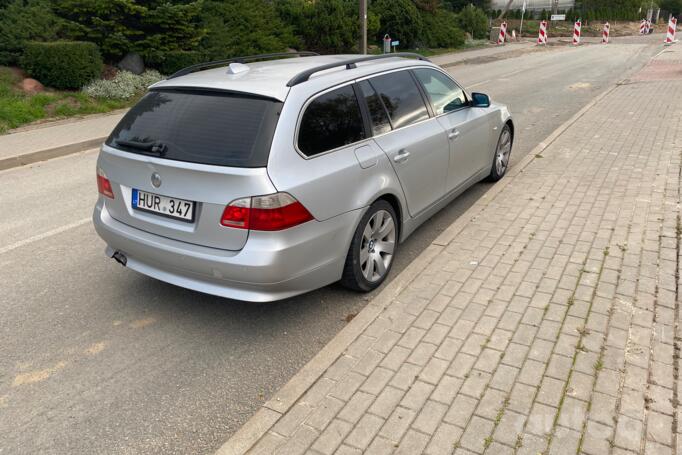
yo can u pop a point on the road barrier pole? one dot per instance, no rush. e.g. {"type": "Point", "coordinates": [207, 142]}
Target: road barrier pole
{"type": "Point", "coordinates": [542, 34]}
{"type": "Point", "coordinates": [503, 34]}
{"type": "Point", "coordinates": [576, 33]}
{"type": "Point", "coordinates": [672, 28]}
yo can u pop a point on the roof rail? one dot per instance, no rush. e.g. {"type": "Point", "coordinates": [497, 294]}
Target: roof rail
{"type": "Point", "coordinates": [207, 65]}
{"type": "Point", "coordinates": [303, 76]}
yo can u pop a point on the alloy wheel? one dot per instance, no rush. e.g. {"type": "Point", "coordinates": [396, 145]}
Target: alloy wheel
{"type": "Point", "coordinates": [378, 244]}
{"type": "Point", "coordinates": [503, 152]}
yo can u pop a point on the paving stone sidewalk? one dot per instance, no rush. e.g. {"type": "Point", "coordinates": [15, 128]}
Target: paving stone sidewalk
{"type": "Point", "coordinates": [546, 325]}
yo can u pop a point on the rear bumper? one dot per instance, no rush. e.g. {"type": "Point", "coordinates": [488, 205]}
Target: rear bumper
{"type": "Point", "coordinates": [271, 266]}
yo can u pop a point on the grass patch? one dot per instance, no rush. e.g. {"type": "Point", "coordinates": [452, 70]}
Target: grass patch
{"type": "Point", "coordinates": [18, 108]}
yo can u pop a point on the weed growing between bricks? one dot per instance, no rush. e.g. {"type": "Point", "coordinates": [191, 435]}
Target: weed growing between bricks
{"type": "Point", "coordinates": [678, 338]}
{"type": "Point", "coordinates": [599, 364]}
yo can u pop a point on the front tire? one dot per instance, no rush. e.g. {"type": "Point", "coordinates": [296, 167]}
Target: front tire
{"type": "Point", "coordinates": [372, 249]}
{"type": "Point", "coordinates": [502, 155]}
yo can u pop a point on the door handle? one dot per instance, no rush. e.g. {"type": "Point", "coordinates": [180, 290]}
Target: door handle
{"type": "Point", "coordinates": [454, 134]}
{"type": "Point", "coordinates": [402, 155]}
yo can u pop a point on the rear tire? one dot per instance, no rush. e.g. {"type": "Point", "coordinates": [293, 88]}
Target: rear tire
{"type": "Point", "coordinates": [502, 155]}
{"type": "Point", "coordinates": [372, 249]}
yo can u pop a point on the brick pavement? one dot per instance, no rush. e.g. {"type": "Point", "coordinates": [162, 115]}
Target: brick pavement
{"type": "Point", "coordinates": [546, 325]}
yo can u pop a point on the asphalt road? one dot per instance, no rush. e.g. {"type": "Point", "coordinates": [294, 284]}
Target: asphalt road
{"type": "Point", "coordinates": [95, 358]}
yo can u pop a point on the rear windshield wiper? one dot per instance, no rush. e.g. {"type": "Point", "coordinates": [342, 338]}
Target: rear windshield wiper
{"type": "Point", "coordinates": [147, 146]}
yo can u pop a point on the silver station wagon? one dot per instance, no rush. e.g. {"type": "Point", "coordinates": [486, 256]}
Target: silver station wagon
{"type": "Point", "coordinates": [260, 178]}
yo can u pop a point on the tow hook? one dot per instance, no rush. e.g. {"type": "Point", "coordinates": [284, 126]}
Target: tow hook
{"type": "Point", "coordinates": [120, 258]}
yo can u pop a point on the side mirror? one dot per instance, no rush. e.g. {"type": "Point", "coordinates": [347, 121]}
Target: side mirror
{"type": "Point", "coordinates": [480, 100]}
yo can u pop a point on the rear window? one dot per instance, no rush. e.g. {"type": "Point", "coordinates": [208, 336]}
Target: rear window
{"type": "Point", "coordinates": [224, 129]}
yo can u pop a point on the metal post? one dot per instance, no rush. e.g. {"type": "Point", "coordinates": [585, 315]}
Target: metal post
{"type": "Point", "coordinates": [363, 26]}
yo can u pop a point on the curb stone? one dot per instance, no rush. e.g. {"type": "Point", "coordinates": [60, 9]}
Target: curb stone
{"type": "Point", "coordinates": [47, 154]}
{"type": "Point", "coordinates": [284, 399]}
{"type": "Point", "coordinates": [50, 152]}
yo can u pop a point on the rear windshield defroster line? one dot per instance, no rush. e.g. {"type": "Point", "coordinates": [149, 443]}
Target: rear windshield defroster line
{"type": "Point", "coordinates": [201, 126]}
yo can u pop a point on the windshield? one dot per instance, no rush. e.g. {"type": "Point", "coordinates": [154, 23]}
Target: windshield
{"type": "Point", "coordinates": [206, 127]}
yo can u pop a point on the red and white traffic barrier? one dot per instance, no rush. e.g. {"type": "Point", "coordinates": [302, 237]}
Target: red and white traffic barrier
{"type": "Point", "coordinates": [542, 34]}
{"type": "Point", "coordinates": [576, 33]}
{"type": "Point", "coordinates": [642, 26]}
{"type": "Point", "coordinates": [672, 28]}
{"type": "Point", "coordinates": [503, 33]}
{"type": "Point", "coordinates": [605, 34]}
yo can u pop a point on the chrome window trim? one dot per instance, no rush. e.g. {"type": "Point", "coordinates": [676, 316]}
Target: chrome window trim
{"type": "Point", "coordinates": [351, 82]}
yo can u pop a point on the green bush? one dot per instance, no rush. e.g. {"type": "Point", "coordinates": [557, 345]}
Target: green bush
{"type": "Point", "coordinates": [458, 5]}
{"type": "Point", "coordinates": [22, 21]}
{"type": "Point", "coordinates": [473, 21]}
{"type": "Point", "coordinates": [151, 28]}
{"type": "Point", "coordinates": [243, 27]}
{"type": "Point", "coordinates": [62, 64]}
{"type": "Point", "coordinates": [176, 60]}
{"type": "Point", "coordinates": [332, 26]}
{"type": "Point", "coordinates": [673, 7]}
{"type": "Point", "coordinates": [123, 86]}
{"type": "Point", "coordinates": [330, 17]}
{"type": "Point", "coordinates": [440, 29]}
{"type": "Point", "coordinates": [400, 19]}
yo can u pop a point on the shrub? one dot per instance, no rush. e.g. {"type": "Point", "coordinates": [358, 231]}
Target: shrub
{"type": "Point", "coordinates": [400, 19]}
{"type": "Point", "coordinates": [473, 21]}
{"type": "Point", "coordinates": [440, 29]}
{"type": "Point", "coordinates": [332, 26]}
{"type": "Point", "coordinates": [458, 5]}
{"type": "Point", "coordinates": [123, 86]}
{"type": "Point", "coordinates": [177, 60]}
{"type": "Point", "coordinates": [243, 27]}
{"type": "Point", "coordinates": [62, 64]}
{"type": "Point", "coordinates": [22, 21]}
{"type": "Point", "coordinates": [673, 7]}
{"type": "Point", "coordinates": [150, 28]}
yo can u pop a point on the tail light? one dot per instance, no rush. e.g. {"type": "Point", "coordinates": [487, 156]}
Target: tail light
{"type": "Point", "coordinates": [104, 185]}
{"type": "Point", "coordinates": [273, 212]}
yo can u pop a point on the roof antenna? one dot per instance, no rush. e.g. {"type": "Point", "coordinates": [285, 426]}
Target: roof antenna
{"type": "Point", "coordinates": [237, 68]}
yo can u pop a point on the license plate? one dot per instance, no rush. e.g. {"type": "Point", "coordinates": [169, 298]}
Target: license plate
{"type": "Point", "coordinates": [171, 207]}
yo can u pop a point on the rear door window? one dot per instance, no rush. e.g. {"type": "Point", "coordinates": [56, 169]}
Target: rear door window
{"type": "Point", "coordinates": [377, 111]}
{"type": "Point", "coordinates": [330, 121]}
{"type": "Point", "coordinates": [402, 98]}
{"type": "Point", "coordinates": [205, 127]}
{"type": "Point", "coordinates": [445, 94]}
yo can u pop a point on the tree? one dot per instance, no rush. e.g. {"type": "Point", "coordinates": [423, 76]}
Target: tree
{"type": "Point", "coordinates": [428, 5]}
{"type": "Point", "coordinates": [400, 19]}
{"type": "Point", "coordinates": [673, 7]}
{"type": "Point", "coordinates": [458, 5]}
{"type": "Point", "coordinates": [441, 30]}
{"type": "Point", "coordinates": [151, 27]}
{"type": "Point", "coordinates": [243, 27]}
{"type": "Point", "coordinates": [23, 21]}
{"type": "Point", "coordinates": [331, 26]}
{"type": "Point", "coordinates": [474, 21]}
